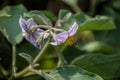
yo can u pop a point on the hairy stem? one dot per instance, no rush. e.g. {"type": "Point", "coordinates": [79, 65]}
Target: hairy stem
{"type": "Point", "coordinates": [61, 58]}
{"type": "Point", "coordinates": [41, 52]}
{"type": "Point", "coordinates": [37, 58]}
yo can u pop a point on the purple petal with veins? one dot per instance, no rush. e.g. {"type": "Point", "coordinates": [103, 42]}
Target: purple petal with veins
{"type": "Point", "coordinates": [26, 26]}
{"type": "Point", "coordinates": [62, 37]}
{"type": "Point", "coordinates": [30, 23]}
{"type": "Point", "coordinates": [22, 23]}
{"type": "Point", "coordinates": [73, 29]}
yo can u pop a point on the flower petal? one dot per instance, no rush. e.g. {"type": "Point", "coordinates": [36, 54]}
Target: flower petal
{"type": "Point", "coordinates": [33, 38]}
{"type": "Point", "coordinates": [60, 38]}
{"type": "Point", "coordinates": [63, 36]}
{"type": "Point", "coordinates": [22, 23]}
{"type": "Point", "coordinates": [73, 29]}
{"type": "Point", "coordinates": [57, 42]}
{"type": "Point", "coordinates": [26, 26]}
{"type": "Point", "coordinates": [30, 23]}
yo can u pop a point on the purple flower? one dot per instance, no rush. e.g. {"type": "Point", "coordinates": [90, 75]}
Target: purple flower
{"type": "Point", "coordinates": [62, 37]}
{"type": "Point", "coordinates": [27, 26]}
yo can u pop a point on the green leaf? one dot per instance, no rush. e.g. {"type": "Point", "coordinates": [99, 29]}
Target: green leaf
{"type": "Point", "coordinates": [4, 17]}
{"type": "Point", "coordinates": [50, 15]}
{"type": "Point", "coordinates": [81, 17]}
{"type": "Point", "coordinates": [97, 46]}
{"type": "Point", "coordinates": [10, 27]}
{"type": "Point", "coordinates": [111, 9]}
{"type": "Point", "coordinates": [66, 26]}
{"type": "Point", "coordinates": [39, 17]}
{"type": "Point", "coordinates": [97, 23]}
{"type": "Point", "coordinates": [73, 73]}
{"type": "Point", "coordinates": [27, 57]}
{"type": "Point", "coordinates": [64, 14]}
{"type": "Point", "coordinates": [65, 19]}
{"type": "Point", "coordinates": [107, 66]}
{"type": "Point", "coordinates": [47, 76]}
{"type": "Point", "coordinates": [85, 24]}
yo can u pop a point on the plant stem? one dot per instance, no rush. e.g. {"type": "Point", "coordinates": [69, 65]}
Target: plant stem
{"type": "Point", "coordinates": [61, 58]}
{"type": "Point", "coordinates": [21, 73]}
{"type": "Point", "coordinates": [3, 71]}
{"type": "Point", "coordinates": [13, 61]}
{"type": "Point", "coordinates": [37, 58]}
{"type": "Point", "coordinates": [76, 8]}
{"type": "Point", "coordinates": [92, 7]}
{"type": "Point", "coordinates": [31, 73]}
{"type": "Point", "coordinates": [39, 72]}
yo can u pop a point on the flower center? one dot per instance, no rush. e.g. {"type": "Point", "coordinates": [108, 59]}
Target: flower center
{"type": "Point", "coordinates": [70, 41]}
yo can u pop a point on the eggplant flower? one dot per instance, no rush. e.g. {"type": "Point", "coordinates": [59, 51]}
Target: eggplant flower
{"type": "Point", "coordinates": [29, 30]}
{"type": "Point", "coordinates": [62, 37]}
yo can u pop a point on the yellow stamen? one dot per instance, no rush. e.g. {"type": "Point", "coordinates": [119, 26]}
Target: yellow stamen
{"type": "Point", "coordinates": [70, 41]}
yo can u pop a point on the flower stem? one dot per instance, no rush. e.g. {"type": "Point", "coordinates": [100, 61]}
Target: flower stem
{"type": "Point", "coordinates": [21, 73]}
{"type": "Point", "coordinates": [61, 58]}
{"type": "Point", "coordinates": [41, 52]}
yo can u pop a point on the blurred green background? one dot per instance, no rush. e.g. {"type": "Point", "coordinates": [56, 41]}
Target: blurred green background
{"type": "Point", "coordinates": [100, 55]}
